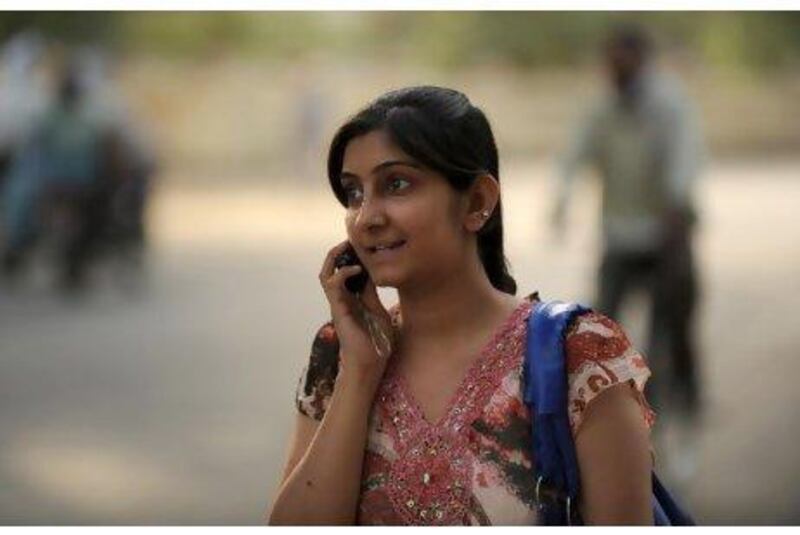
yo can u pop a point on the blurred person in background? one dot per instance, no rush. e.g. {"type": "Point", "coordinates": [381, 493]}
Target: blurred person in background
{"type": "Point", "coordinates": [312, 108]}
{"type": "Point", "coordinates": [643, 140]}
{"type": "Point", "coordinates": [55, 179]}
{"type": "Point", "coordinates": [132, 159]}
{"type": "Point", "coordinates": [23, 93]}
{"type": "Point", "coordinates": [80, 176]}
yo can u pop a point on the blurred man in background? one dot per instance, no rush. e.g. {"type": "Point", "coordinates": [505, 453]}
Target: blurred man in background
{"type": "Point", "coordinates": [23, 93]}
{"type": "Point", "coordinates": [644, 143]}
{"type": "Point", "coordinates": [58, 170]}
{"type": "Point", "coordinates": [132, 162]}
{"type": "Point", "coordinates": [80, 177]}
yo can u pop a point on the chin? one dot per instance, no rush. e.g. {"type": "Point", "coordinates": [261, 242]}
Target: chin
{"type": "Point", "coordinates": [387, 282]}
{"type": "Point", "coordinates": [387, 279]}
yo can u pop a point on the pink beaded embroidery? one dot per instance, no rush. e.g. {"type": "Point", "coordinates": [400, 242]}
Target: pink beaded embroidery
{"type": "Point", "coordinates": [430, 480]}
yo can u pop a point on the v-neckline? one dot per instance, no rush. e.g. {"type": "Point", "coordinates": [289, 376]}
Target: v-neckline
{"type": "Point", "coordinates": [487, 350]}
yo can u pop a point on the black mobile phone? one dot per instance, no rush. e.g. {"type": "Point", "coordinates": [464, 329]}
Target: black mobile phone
{"type": "Point", "coordinates": [355, 283]}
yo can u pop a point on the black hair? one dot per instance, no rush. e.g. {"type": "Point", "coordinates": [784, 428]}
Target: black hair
{"type": "Point", "coordinates": [441, 129]}
{"type": "Point", "coordinates": [631, 37]}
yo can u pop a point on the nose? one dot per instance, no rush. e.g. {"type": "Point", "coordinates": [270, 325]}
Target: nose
{"type": "Point", "coordinates": [371, 214]}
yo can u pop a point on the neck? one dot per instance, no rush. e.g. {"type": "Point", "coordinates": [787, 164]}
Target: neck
{"type": "Point", "coordinates": [453, 305]}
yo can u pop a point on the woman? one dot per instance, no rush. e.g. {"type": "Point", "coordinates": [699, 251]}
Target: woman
{"type": "Point", "coordinates": [437, 433]}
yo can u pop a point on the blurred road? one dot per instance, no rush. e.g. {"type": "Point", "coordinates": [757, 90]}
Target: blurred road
{"type": "Point", "coordinates": [170, 401]}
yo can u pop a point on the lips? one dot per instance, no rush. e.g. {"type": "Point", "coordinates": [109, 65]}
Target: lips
{"type": "Point", "coordinates": [384, 247]}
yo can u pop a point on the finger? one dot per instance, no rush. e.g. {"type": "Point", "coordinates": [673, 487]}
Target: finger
{"type": "Point", "coordinates": [329, 265]}
{"type": "Point", "coordinates": [337, 280]}
{"type": "Point", "coordinates": [343, 302]}
{"type": "Point", "coordinates": [372, 302]}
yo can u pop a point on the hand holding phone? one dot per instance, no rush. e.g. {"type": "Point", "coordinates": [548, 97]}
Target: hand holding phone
{"type": "Point", "coordinates": [355, 283]}
{"type": "Point", "coordinates": [363, 302]}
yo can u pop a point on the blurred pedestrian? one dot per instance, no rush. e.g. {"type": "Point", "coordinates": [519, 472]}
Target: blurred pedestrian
{"type": "Point", "coordinates": [311, 108]}
{"type": "Point", "coordinates": [643, 140]}
{"type": "Point", "coordinates": [23, 93]}
{"type": "Point", "coordinates": [132, 162]}
{"type": "Point", "coordinates": [22, 90]}
{"type": "Point", "coordinates": [56, 180]}
{"type": "Point", "coordinates": [81, 176]}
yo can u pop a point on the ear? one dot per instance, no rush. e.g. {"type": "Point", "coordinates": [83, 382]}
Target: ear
{"type": "Point", "coordinates": [481, 201]}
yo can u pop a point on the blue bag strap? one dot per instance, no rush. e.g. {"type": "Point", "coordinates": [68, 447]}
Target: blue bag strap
{"type": "Point", "coordinates": [545, 393]}
{"type": "Point", "coordinates": [666, 511]}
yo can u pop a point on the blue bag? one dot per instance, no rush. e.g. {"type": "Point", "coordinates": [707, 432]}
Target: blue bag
{"type": "Point", "coordinates": [545, 394]}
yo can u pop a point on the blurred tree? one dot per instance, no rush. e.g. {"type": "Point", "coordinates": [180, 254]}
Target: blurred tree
{"type": "Point", "coordinates": [752, 40]}
{"type": "Point", "coordinates": [67, 26]}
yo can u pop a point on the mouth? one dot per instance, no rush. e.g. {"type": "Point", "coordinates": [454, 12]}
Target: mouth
{"type": "Point", "coordinates": [386, 248]}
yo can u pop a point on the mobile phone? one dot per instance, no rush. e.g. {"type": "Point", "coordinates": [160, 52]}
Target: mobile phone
{"type": "Point", "coordinates": [355, 283]}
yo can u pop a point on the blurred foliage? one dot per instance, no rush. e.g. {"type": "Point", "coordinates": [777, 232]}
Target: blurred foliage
{"type": "Point", "coordinates": [70, 27]}
{"type": "Point", "coordinates": [752, 40]}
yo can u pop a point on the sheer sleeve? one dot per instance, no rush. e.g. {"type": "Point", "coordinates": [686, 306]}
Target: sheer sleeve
{"type": "Point", "coordinates": [600, 356]}
{"type": "Point", "coordinates": [315, 387]}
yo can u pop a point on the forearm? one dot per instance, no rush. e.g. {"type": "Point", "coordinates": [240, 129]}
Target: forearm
{"type": "Point", "coordinates": [324, 486]}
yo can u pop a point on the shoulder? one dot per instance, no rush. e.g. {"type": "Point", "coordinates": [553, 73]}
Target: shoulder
{"type": "Point", "coordinates": [668, 92]}
{"type": "Point", "coordinates": [594, 337]}
{"type": "Point", "coordinates": [323, 361]}
{"type": "Point", "coordinates": [325, 339]}
{"type": "Point", "coordinates": [319, 376]}
{"type": "Point", "coordinates": [599, 355]}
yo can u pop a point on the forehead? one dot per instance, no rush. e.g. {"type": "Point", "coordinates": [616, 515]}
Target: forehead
{"type": "Point", "coordinates": [365, 152]}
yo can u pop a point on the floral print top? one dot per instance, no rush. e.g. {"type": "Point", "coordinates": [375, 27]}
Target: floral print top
{"type": "Point", "coordinates": [474, 466]}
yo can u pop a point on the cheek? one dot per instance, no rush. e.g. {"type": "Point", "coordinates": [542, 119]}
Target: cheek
{"type": "Point", "coordinates": [349, 221]}
{"type": "Point", "coordinates": [436, 232]}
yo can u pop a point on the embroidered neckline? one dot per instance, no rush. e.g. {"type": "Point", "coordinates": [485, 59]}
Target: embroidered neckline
{"type": "Point", "coordinates": [492, 350]}
{"type": "Point", "coordinates": [428, 481]}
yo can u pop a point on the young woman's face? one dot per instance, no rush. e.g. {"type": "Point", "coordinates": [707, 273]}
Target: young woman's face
{"type": "Point", "coordinates": [403, 219]}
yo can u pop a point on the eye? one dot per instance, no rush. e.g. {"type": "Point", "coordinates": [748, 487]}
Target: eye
{"type": "Point", "coordinates": [397, 183]}
{"type": "Point", "coordinates": [353, 194]}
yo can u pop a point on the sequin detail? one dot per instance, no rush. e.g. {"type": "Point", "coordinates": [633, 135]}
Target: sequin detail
{"type": "Point", "coordinates": [429, 482]}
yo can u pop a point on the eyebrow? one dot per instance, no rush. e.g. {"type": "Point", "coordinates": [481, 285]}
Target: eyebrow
{"type": "Point", "coordinates": [381, 166]}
